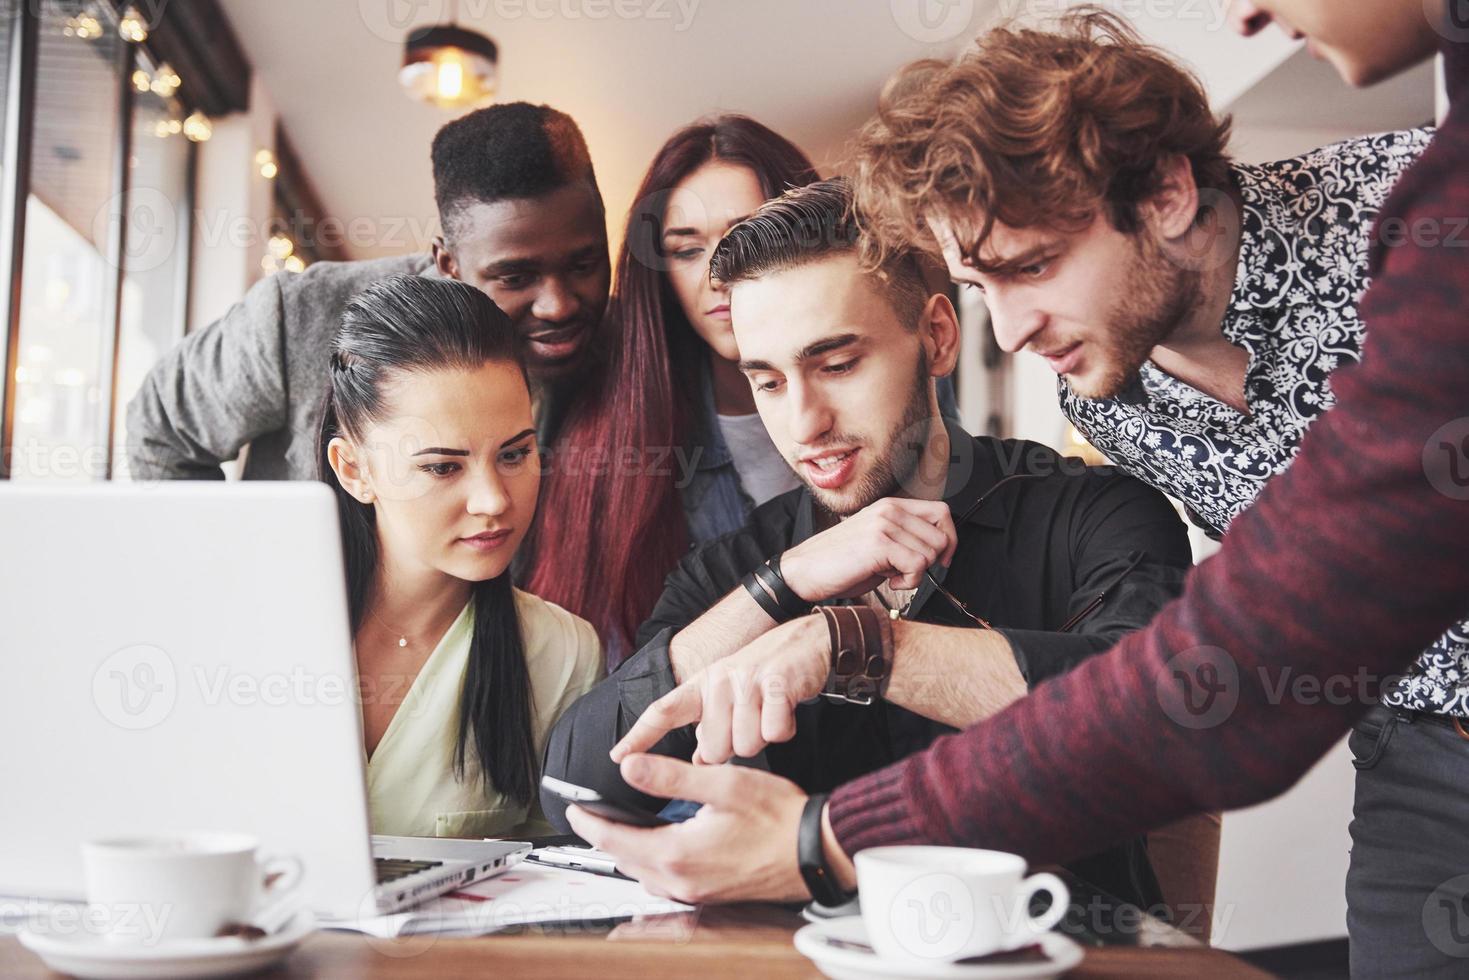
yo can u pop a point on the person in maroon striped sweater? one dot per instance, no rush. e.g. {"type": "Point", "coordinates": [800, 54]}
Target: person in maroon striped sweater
{"type": "Point", "coordinates": [1349, 564]}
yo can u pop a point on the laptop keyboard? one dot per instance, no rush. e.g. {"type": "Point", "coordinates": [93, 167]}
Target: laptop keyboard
{"type": "Point", "coordinates": [391, 869]}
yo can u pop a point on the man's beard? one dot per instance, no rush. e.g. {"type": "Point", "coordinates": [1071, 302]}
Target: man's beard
{"type": "Point", "coordinates": [903, 451]}
{"type": "Point", "coordinates": [1157, 295]}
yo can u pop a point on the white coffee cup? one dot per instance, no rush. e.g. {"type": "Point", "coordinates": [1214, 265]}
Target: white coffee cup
{"type": "Point", "coordinates": [941, 904]}
{"type": "Point", "coordinates": [183, 886]}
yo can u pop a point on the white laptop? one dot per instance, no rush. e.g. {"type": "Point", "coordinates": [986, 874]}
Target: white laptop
{"type": "Point", "coordinates": [177, 657]}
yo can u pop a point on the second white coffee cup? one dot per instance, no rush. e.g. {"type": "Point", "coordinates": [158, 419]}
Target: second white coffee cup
{"type": "Point", "coordinates": [182, 886]}
{"type": "Point", "coordinates": [941, 904]}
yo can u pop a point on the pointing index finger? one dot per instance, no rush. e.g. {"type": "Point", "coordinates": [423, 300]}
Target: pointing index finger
{"type": "Point", "coordinates": [681, 706]}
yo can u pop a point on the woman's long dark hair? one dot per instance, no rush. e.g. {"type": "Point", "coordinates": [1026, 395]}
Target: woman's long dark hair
{"type": "Point", "coordinates": [409, 324]}
{"type": "Point", "coordinates": [607, 538]}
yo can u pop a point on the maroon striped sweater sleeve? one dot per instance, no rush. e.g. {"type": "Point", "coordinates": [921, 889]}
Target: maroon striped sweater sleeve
{"type": "Point", "coordinates": [1349, 565]}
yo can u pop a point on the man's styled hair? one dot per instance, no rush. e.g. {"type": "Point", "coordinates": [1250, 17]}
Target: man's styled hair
{"type": "Point", "coordinates": [1032, 128]}
{"type": "Point", "coordinates": [807, 225]}
{"type": "Point", "coordinates": [516, 150]}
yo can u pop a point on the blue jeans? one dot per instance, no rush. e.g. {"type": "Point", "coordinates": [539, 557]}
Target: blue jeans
{"type": "Point", "coordinates": [1408, 884]}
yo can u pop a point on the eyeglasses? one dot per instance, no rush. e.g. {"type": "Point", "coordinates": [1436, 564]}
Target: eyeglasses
{"type": "Point", "coordinates": [1136, 559]}
{"type": "Point", "coordinates": [954, 600]}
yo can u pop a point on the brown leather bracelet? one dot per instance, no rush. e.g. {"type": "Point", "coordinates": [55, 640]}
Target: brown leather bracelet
{"type": "Point", "coordinates": [861, 653]}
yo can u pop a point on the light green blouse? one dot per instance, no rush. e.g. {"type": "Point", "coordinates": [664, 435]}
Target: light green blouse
{"type": "Point", "coordinates": [410, 777]}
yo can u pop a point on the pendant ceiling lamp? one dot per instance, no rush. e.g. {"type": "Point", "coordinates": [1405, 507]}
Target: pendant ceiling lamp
{"type": "Point", "coordinates": [449, 67]}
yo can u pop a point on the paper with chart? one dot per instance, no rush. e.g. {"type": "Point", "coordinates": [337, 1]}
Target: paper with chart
{"type": "Point", "coordinates": [527, 894]}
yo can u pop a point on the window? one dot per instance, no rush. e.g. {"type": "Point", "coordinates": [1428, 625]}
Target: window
{"type": "Point", "coordinates": [155, 245]}
{"type": "Point", "coordinates": [104, 256]}
{"type": "Point", "coordinates": [9, 17]}
{"type": "Point", "coordinates": [68, 276]}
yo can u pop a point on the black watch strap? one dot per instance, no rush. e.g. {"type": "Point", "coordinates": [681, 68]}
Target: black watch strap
{"type": "Point", "coordinates": [811, 856]}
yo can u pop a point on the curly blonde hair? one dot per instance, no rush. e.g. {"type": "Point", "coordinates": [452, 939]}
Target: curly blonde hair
{"type": "Point", "coordinates": [1031, 128]}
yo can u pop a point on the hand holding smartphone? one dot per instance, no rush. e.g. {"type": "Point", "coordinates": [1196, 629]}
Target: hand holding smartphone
{"type": "Point", "coordinates": [594, 802]}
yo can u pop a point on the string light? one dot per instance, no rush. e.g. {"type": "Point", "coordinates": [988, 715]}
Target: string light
{"type": "Point", "coordinates": [265, 160]}
{"type": "Point", "coordinates": [131, 27]}
{"type": "Point", "coordinates": [166, 82]}
{"type": "Point", "coordinates": [280, 247]}
{"type": "Point", "coordinates": [198, 128]}
{"type": "Point", "coordinates": [141, 81]}
{"type": "Point", "coordinates": [280, 253]}
{"type": "Point", "coordinates": [84, 25]}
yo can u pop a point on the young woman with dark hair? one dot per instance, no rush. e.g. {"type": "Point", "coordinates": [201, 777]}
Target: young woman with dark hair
{"type": "Point", "coordinates": [668, 450]}
{"type": "Point", "coordinates": [429, 442]}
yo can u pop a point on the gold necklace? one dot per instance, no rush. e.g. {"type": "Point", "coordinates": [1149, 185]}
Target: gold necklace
{"type": "Point", "coordinates": [402, 637]}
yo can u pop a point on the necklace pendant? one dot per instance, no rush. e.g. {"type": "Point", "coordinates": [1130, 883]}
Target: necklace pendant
{"type": "Point", "coordinates": [402, 641]}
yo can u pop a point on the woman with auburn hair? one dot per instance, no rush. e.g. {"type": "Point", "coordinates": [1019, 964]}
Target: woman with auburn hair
{"type": "Point", "coordinates": [668, 450]}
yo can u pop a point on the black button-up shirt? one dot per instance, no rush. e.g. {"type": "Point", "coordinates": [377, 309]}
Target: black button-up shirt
{"type": "Point", "coordinates": [1036, 553]}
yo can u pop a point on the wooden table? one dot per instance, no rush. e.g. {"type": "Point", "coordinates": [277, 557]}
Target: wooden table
{"type": "Point", "coordinates": [741, 943]}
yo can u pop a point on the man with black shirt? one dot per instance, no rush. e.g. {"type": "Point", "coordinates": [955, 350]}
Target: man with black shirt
{"type": "Point", "coordinates": [987, 566]}
{"type": "Point", "coordinates": [1348, 564]}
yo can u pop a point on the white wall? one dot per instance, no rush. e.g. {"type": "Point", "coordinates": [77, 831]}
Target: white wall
{"type": "Point", "coordinates": [231, 208]}
{"type": "Point", "coordinates": [232, 205]}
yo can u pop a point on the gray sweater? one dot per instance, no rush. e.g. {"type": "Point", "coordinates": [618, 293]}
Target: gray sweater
{"type": "Point", "coordinates": [257, 375]}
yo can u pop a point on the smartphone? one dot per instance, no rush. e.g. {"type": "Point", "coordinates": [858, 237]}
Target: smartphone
{"type": "Point", "coordinates": [594, 802]}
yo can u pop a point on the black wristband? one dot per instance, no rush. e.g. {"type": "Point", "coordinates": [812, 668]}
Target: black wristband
{"type": "Point", "coordinates": [762, 597]}
{"type": "Point", "coordinates": [811, 857]}
{"type": "Point", "coordinates": [791, 604]}
{"type": "Point", "coordinates": [768, 588]}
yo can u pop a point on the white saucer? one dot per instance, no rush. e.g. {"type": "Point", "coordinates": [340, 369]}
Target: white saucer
{"type": "Point", "coordinates": [94, 957]}
{"type": "Point", "coordinates": [821, 941]}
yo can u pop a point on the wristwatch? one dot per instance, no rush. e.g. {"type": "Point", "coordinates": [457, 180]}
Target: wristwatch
{"type": "Point", "coordinates": [811, 857]}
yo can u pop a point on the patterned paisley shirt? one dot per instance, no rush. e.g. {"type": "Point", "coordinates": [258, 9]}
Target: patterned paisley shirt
{"type": "Point", "coordinates": [1306, 231]}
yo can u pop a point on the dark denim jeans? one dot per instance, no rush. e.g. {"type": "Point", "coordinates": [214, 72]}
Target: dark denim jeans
{"type": "Point", "coordinates": [1408, 885]}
